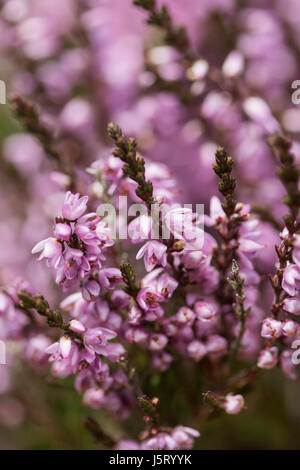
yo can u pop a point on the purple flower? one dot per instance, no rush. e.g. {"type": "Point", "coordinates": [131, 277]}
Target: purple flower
{"type": "Point", "coordinates": [90, 290]}
{"type": "Point", "coordinates": [292, 305]}
{"type": "Point", "coordinates": [74, 206]}
{"type": "Point", "coordinates": [287, 365]}
{"type": "Point", "coordinates": [182, 223]}
{"type": "Point", "coordinates": [216, 345]}
{"type": "Point", "coordinates": [157, 342]}
{"type": "Point", "coordinates": [271, 328]}
{"type": "Point", "coordinates": [217, 214]}
{"type": "Point", "coordinates": [161, 441]}
{"type": "Point", "coordinates": [205, 311]}
{"type": "Point", "coordinates": [134, 315]}
{"type": "Point", "coordinates": [35, 350]}
{"type": "Point", "coordinates": [94, 398]}
{"type": "Point", "coordinates": [65, 357]}
{"type": "Point", "coordinates": [77, 326]}
{"type": "Point", "coordinates": [114, 352]}
{"type": "Point", "coordinates": [109, 277]}
{"type": "Point", "coordinates": [160, 282]}
{"type": "Point", "coordinates": [184, 437]}
{"type": "Point", "coordinates": [148, 298]}
{"type": "Point", "coordinates": [79, 251]}
{"type": "Point", "coordinates": [154, 253]}
{"type": "Point", "coordinates": [126, 444]}
{"type": "Point", "coordinates": [196, 350]}
{"type": "Point", "coordinates": [95, 340]}
{"type": "Point", "coordinates": [62, 348]}
{"type": "Point", "coordinates": [136, 335]}
{"type": "Point", "coordinates": [63, 231]}
{"type": "Point", "coordinates": [139, 229]}
{"type": "Point", "coordinates": [51, 250]}
{"type": "Point", "coordinates": [233, 404]}
{"type": "Point", "coordinates": [268, 358]}
{"type": "Point", "coordinates": [291, 279]}
{"type": "Point", "coordinates": [162, 360]}
{"type": "Point", "coordinates": [185, 316]}
{"type": "Point", "coordinates": [290, 328]}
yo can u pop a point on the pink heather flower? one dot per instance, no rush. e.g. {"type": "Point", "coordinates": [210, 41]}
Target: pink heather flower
{"type": "Point", "coordinates": [74, 206]}
{"type": "Point", "coordinates": [4, 302]}
{"type": "Point", "coordinates": [157, 342]}
{"type": "Point", "coordinates": [109, 277]}
{"type": "Point", "coordinates": [291, 280]}
{"type": "Point", "coordinates": [268, 358]}
{"type": "Point", "coordinates": [77, 326]}
{"type": "Point", "coordinates": [271, 328]}
{"type": "Point", "coordinates": [185, 316]}
{"type": "Point", "coordinates": [78, 253]}
{"type": "Point", "coordinates": [162, 360]}
{"type": "Point", "coordinates": [292, 305]}
{"type": "Point", "coordinates": [72, 265]}
{"type": "Point", "coordinates": [95, 339]}
{"type": "Point", "coordinates": [94, 398]}
{"type": "Point", "coordinates": [134, 315]}
{"type": "Point", "coordinates": [162, 441]}
{"type": "Point", "coordinates": [114, 352]}
{"type": "Point", "coordinates": [248, 239]}
{"type": "Point", "coordinates": [154, 314]}
{"type": "Point", "coordinates": [248, 231]}
{"type": "Point", "coordinates": [62, 348]}
{"type": "Point", "coordinates": [120, 299]}
{"type": "Point", "coordinates": [196, 349]}
{"type": "Point", "coordinates": [114, 321]}
{"type": "Point", "coordinates": [51, 250]}
{"type": "Point", "coordinates": [63, 231]}
{"type": "Point", "coordinates": [136, 335]}
{"type": "Point", "coordinates": [193, 258]}
{"type": "Point", "coordinates": [233, 403]}
{"type": "Point", "coordinates": [126, 444]}
{"type": "Point", "coordinates": [216, 345]}
{"type": "Point", "coordinates": [148, 298]}
{"type": "Point", "coordinates": [153, 253]}
{"type": "Point", "coordinates": [290, 328]}
{"type": "Point", "coordinates": [90, 290]}
{"type": "Point", "coordinates": [111, 168]}
{"type": "Point", "coordinates": [161, 282]}
{"type": "Point", "coordinates": [184, 437]}
{"type": "Point", "coordinates": [205, 311]}
{"type": "Point", "coordinates": [171, 327]}
{"type": "Point", "coordinates": [74, 303]}
{"type": "Point", "coordinates": [166, 285]}
{"type": "Point", "coordinates": [35, 350]}
{"type": "Point", "coordinates": [217, 214]}
{"type": "Point", "coordinates": [182, 223]}
{"type": "Point", "coordinates": [287, 365]}
{"type": "Point", "coordinates": [139, 229]}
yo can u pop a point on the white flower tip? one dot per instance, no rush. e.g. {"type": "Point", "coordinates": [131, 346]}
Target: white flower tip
{"type": "Point", "coordinates": [65, 346]}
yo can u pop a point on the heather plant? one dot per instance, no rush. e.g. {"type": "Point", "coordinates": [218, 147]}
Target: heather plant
{"type": "Point", "coordinates": [174, 299]}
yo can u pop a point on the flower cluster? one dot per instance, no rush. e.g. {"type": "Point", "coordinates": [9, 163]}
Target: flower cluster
{"type": "Point", "coordinates": [179, 438]}
{"type": "Point", "coordinates": [76, 250]}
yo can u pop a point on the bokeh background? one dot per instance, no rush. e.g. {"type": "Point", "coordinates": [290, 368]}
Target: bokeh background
{"type": "Point", "coordinates": [85, 63]}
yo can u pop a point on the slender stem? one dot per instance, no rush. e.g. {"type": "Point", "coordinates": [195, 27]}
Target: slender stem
{"type": "Point", "coordinates": [54, 317]}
